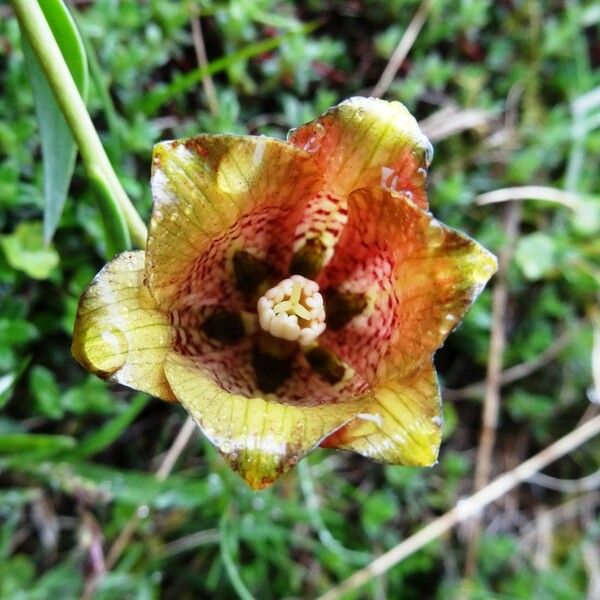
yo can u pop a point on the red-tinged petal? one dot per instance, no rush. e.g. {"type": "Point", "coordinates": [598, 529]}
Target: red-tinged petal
{"type": "Point", "coordinates": [400, 425]}
{"type": "Point", "coordinates": [213, 196]}
{"type": "Point", "coordinates": [366, 142]}
{"type": "Point", "coordinates": [259, 437]}
{"type": "Point", "coordinates": [418, 276]}
{"type": "Point", "coordinates": [120, 334]}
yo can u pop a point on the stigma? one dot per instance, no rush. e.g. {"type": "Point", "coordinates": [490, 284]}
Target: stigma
{"type": "Point", "coordinates": [293, 310]}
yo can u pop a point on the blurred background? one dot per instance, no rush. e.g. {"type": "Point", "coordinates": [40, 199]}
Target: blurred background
{"type": "Point", "coordinates": [509, 93]}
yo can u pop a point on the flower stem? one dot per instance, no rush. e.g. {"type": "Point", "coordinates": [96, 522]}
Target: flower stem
{"type": "Point", "coordinates": [34, 25]}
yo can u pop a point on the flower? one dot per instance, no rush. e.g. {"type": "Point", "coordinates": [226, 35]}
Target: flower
{"type": "Point", "coordinates": [291, 293]}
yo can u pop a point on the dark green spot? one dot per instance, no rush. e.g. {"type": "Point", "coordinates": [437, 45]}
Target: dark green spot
{"type": "Point", "coordinates": [326, 364]}
{"type": "Point", "coordinates": [225, 326]}
{"type": "Point", "coordinates": [270, 371]}
{"type": "Point", "coordinates": [249, 272]}
{"type": "Point", "coordinates": [342, 307]}
{"type": "Point", "coordinates": [308, 261]}
{"type": "Point", "coordinates": [272, 360]}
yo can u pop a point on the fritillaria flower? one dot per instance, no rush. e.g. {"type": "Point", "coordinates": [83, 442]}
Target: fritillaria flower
{"type": "Point", "coordinates": [292, 293]}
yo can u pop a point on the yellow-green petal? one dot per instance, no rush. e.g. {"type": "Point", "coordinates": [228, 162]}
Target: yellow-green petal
{"type": "Point", "coordinates": [259, 437]}
{"type": "Point", "coordinates": [366, 142]}
{"type": "Point", "coordinates": [120, 334]}
{"type": "Point", "coordinates": [400, 425]}
{"type": "Point", "coordinates": [244, 191]}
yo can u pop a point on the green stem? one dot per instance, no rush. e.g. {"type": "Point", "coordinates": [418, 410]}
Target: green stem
{"type": "Point", "coordinates": [33, 24]}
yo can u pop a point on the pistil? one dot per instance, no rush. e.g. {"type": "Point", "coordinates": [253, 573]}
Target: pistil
{"type": "Point", "coordinates": [293, 310]}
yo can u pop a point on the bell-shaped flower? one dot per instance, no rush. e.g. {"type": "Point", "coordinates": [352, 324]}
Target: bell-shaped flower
{"type": "Point", "coordinates": [292, 293]}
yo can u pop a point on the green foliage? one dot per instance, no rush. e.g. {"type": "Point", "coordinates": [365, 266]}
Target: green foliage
{"type": "Point", "coordinates": [72, 445]}
{"type": "Point", "coordinates": [25, 250]}
{"type": "Point", "coordinates": [58, 146]}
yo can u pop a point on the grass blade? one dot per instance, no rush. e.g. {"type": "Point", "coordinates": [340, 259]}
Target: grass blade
{"type": "Point", "coordinates": [108, 433]}
{"type": "Point", "coordinates": [183, 83]}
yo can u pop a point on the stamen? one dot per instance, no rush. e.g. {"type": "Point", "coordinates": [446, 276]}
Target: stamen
{"type": "Point", "coordinates": [249, 272]}
{"type": "Point", "coordinates": [342, 307]}
{"type": "Point", "coordinates": [293, 310]}
{"type": "Point", "coordinates": [326, 364]}
{"type": "Point", "coordinates": [317, 234]}
{"type": "Point", "coordinates": [225, 326]}
{"type": "Point", "coordinates": [309, 260]}
{"type": "Point", "coordinates": [272, 360]}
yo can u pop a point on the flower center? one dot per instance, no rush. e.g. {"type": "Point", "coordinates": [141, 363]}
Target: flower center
{"type": "Point", "coordinates": [293, 310]}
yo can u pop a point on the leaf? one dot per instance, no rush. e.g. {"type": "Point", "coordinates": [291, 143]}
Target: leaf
{"type": "Point", "coordinates": [108, 433]}
{"type": "Point", "coordinates": [8, 381]}
{"type": "Point", "coordinates": [131, 487]}
{"type": "Point", "coordinates": [116, 232]}
{"type": "Point", "coordinates": [535, 255]}
{"type": "Point", "coordinates": [182, 83]}
{"type": "Point", "coordinates": [45, 391]}
{"type": "Point", "coordinates": [58, 147]}
{"type": "Point", "coordinates": [16, 443]}
{"type": "Point", "coordinates": [26, 251]}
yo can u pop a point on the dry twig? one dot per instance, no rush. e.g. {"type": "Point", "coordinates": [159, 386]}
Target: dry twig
{"type": "Point", "coordinates": [491, 401]}
{"type": "Point", "coordinates": [512, 374]}
{"type": "Point", "coordinates": [583, 484]}
{"type": "Point", "coordinates": [533, 192]}
{"type": "Point", "coordinates": [574, 508]}
{"type": "Point", "coordinates": [451, 120]}
{"type": "Point", "coordinates": [163, 471]}
{"type": "Point", "coordinates": [402, 49]}
{"type": "Point", "coordinates": [207, 82]}
{"type": "Point", "coordinates": [467, 508]}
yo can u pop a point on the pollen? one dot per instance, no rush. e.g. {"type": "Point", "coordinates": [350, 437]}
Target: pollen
{"type": "Point", "coordinates": [293, 310]}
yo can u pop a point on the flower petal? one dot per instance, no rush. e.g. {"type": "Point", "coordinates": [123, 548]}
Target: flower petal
{"type": "Point", "coordinates": [218, 194]}
{"type": "Point", "coordinates": [366, 142]}
{"type": "Point", "coordinates": [419, 278]}
{"type": "Point", "coordinates": [401, 425]}
{"type": "Point", "coordinates": [119, 332]}
{"type": "Point", "coordinates": [260, 438]}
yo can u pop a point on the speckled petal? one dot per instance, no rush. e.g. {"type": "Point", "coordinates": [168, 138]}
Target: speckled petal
{"type": "Point", "coordinates": [401, 425]}
{"type": "Point", "coordinates": [213, 195]}
{"type": "Point", "coordinates": [259, 437]}
{"type": "Point", "coordinates": [120, 334]}
{"type": "Point", "coordinates": [419, 278]}
{"type": "Point", "coordinates": [365, 142]}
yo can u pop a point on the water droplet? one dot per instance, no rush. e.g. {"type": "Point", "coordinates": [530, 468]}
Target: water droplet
{"type": "Point", "coordinates": [428, 151]}
{"type": "Point", "coordinates": [436, 234]}
{"type": "Point", "coordinates": [309, 136]}
{"type": "Point", "coordinates": [106, 349]}
{"type": "Point", "coordinates": [143, 511]}
{"type": "Point", "coordinates": [421, 175]}
{"type": "Point", "coordinates": [389, 179]}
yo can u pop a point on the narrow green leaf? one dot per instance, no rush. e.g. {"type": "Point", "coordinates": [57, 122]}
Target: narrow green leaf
{"type": "Point", "coordinates": [58, 147]}
{"type": "Point", "coordinates": [116, 232]}
{"type": "Point", "coordinates": [13, 443]}
{"type": "Point", "coordinates": [108, 433]}
{"type": "Point", "coordinates": [130, 487]}
{"type": "Point", "coordinates": [182, 83]}
{"type": "Point", "coordinates": [8, 381]}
